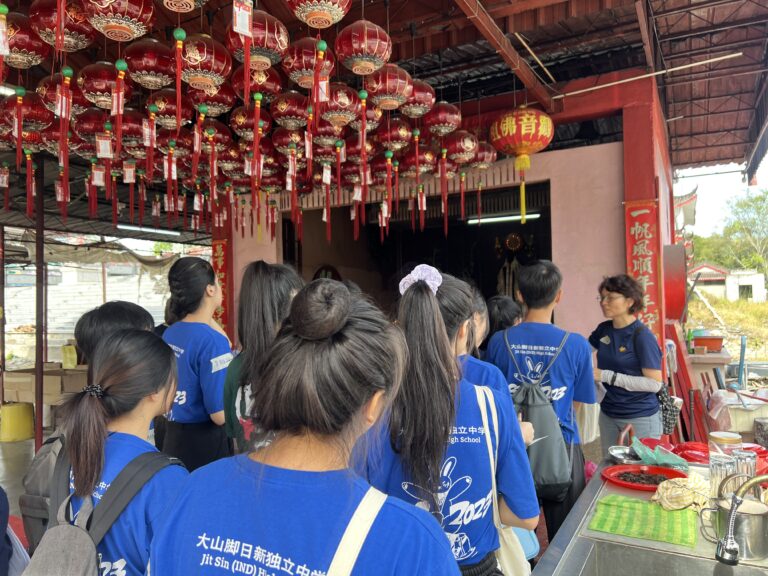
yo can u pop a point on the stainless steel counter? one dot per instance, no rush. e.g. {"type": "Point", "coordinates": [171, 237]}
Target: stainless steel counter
{"type": "Point", "coordinates": [579, 551]}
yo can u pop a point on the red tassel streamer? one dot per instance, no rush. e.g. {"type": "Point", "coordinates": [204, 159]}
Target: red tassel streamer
{"type": "Point", "coordinates": [119, 95]}
{"type": "Point", "coordinates": [328, 213]}
{"type": "Point", "coordinates": [412, 205]}
{"type": "Point", "coordinates": [389, 185]}
{"type": "Point", "coordinates": [396, 166]}
{"type": "Point", "coordinates": [422, 208]}
{"type": "Point", "coordinates": [169, 182]}
{"type": "Point", "coordinates": [114, 202]}
{"type": "Point", "coordinates": [444, 190]}
{"type": "Point", "coordinates": [242, 220]}
{"type": "Point", "coordinates": [30, 187]}
{"type": "Point", "coordinates": [64, 119]}
{"type": "Point", "coordinates": [142, 200]}
{"type": "Point", "coordinates": [479, 203]}
{"type": "Point", "coordinates": [131, 201]}
{"type": "Point", "coordinates": [364, 155]}
{"type": "Point", "coordinates": [19, 124]}
{"type": "Point", "coordinates": [257, 137]}
{"type": "Point", "coordinates": [247, 41]}
{"type": "Point", "coordinates": [151, 149]}
{"type": "Point", "coordinates": [179, 46]}
{"type": "Point", "coordinates": [61, 10]}
{"type": "Point", "coordinates": [416, 135]}
{"type": "Point", "coordinates": [462, 182]}
{"type": "Point", "coordinates": [252, 219]}
{"type": "Point", "coordinates": [338, 175]}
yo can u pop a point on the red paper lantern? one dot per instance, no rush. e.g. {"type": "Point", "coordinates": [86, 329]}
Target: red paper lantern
{"type": "Point", "coordinates": [85, 150]}
{"type": "Point", "coordinates": [133, 128]}
{"type": "Point", "coordinates": [443, 119]}
{"type": "Point", "coordinates": [47, 87]}
{"type": "Point", "coordinates": [165, 100]}
{"type": "Point", "coordinates": [299, 62]}
{"type": "Point", "coordinates": [421, 101]}
{"type": "Point", "coordinates": [50, 138]}
{"type": "Point", "coordinates": [90, 123]}
{"type": "Point", "coordinates": [35, 116]}
{"type": "Point", "coordinates": [363, 47]}
{"type": "Point", "coordinates": [218, 103]}
{"type": "Point", "coordinates": [282, 138]}
{"type": "Point", "coordinates": [232, 159]}
{"type": "Point", "coordinates": [32, 140]}
{"type": "Point", "coordinates": [268, 44]}
{"type": "Point", "coordinates": [301, 164]}
{"type": "Point", "coordinates": [522, 132]}
{"type": "Point", "coordinates": [272, 184]}
{"type": "Point", "coordinates": [183, 141]}
{"type": "Point", "coordinates": [221, 136]}
{"type": "Point", "coordinates": [183, 6]}
{"type": "Point", "coordinates": [451, 169]}
{"type": "Point", "coordinates": [394, 134]}
{"type": "Point", "coordinates": [120, 20]}
{"type": "Point", "coordinates": [78, 33]}
{"type": "Point", "coordinates": [241, 122]}
{"type": "Point", "coordinates": [343, 105]}
{"type": "Point", "coordinates": [98, 82]}
{"type": "Point", "coordinates": [150, 63]}
{"type": "Point", "coordinates": [354, 148]}
{"type": "Point", "coordinates": [289, 110]}
{"type": "Point", "coordinates": [427, 163]}
{"type": "Point", "coordinates": [205, 62]}
{"type": "Point", "coordinates": [461, 146]}
{"type": "Point", "coordinates": [269, 155]}
{"type": "Point", "coordinates": [325, 155]}
{"type": "Point", "coordinates": [326, 134]}
{"type": "Point", "coordinates": [372, 120]}
{"type": "Point", "coordinates": [319, 13]}
{"type": "Point", "coordinates": [26, 48]}
{"type": "Point", "coordinates": [350, 174]}
{"type": "Point", "coordinates": [484, 156]}
{"type": "Point", "coordinates": [268, 82]}
{"type": "Point", "coordinates": [379, 168]}
{"type": "Point", "coordinates": [389, 87]}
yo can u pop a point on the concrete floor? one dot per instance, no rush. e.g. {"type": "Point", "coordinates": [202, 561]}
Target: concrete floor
{"type": "Point", "coordinates": [14, 461]}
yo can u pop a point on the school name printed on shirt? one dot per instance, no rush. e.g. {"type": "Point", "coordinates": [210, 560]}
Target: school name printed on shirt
{"type": "Point", "coordinates": [238, 557]}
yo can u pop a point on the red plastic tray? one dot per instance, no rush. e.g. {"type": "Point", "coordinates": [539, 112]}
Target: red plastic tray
{"type": "Point", "coordinates": [612, 472]}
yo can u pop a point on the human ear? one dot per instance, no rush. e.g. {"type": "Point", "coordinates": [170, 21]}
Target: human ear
{"type": "Point", "coordinates": [373, 408]}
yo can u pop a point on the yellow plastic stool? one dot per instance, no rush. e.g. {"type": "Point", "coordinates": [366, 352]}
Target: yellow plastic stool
{"type": "Point", "coordinates": [17, 422]}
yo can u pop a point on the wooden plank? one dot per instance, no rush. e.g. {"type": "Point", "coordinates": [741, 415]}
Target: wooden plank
{"type": "Point", "coordinates": [645, 33]}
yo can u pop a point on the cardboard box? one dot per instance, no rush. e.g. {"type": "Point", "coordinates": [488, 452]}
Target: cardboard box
{"type": "Point", "coordinates": [74, 380]}
{"type": "Point", "coordinates": [24, 381]}
{"type": "Point", "coordinates": [29, 397]}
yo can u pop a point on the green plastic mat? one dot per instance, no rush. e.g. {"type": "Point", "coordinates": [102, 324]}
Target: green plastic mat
{"type": "Point", "coordinates": [634, 518]}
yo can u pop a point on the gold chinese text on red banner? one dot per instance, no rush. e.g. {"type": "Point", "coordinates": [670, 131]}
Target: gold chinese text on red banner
{"type": "Point", "coordinates": [644, 258]}
{"type": "Point", "coordinates": [221, 268]}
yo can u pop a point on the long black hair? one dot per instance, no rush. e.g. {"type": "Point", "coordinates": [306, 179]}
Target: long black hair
{"type": "Point", "coordinates": [105, 319]}
{"type": "Point", "coordinates": [188, 279]}
{"type": "Point", "coordinates": [423, 413]}
{"type": "Point", "coordinates": [265, 300]}
{"type": "Point", "coordinates": [127, 366]}
{"type": "Point", "coordinates": [335, 350]}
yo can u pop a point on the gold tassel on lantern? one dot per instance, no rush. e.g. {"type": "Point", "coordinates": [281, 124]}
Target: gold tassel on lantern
{"type": "Point", "coordinates": [522, 163]}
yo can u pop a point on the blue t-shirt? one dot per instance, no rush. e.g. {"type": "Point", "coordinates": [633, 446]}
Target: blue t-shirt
{"type": "Point", "coordinates": [616, 352]}
{"type": "Point", "coordinates": [202, 358]}
{"type": "Point", "coordinates": [483, 374]}
{"type": "Point", "coordinates": [569, 380]}
{"type": "Point", "coordinates": [465, 498]}
{"type": "Point", "coordinates": [124, 551]}
{"type": "Point", "coordinates": [237, 516]}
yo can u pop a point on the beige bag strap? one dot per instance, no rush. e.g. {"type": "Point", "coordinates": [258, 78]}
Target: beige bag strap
{"type": "Point", "coordinates": [357, 531]}
{"type": "Point", "coordinates": [484, 395]}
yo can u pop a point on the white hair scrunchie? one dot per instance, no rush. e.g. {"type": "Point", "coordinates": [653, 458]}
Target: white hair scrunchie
{"type": "Point", "coordinates": [424, 273]}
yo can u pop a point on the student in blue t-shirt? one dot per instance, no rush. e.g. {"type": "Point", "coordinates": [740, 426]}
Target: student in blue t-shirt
{"type": "Point", "coordinates": [195, 430]}
{"type": "Point", "coordinates": [287, 508]}
{"type": "Point", "coordinates": [132, 379]}
{"type": "Point", "coordinates": [529, 351]}
{"type": "Point", "coordinates": [628, 368]}
{"type": "Point", "coordinates": [433, 449]}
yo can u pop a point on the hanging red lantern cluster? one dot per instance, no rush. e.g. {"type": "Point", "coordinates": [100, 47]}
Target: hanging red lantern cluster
{"type": "Point", "coordinates": [269, 41]}
{"type": "Point", "coordinates": [363, 47]}
{"type": "Point", "coordinates": [120, 20]}
{"type": "Point", "coordinates": [373, 117]}
{"type": "Point", "coordinates": [219, 102]}
{"type": "Point", "coordinates": [267, 82]}
{"type": "Point", "coordinates": [394, 134]}
{"type": "Point", "coordinates": [300, 60]}
{"type": "Point", "coordinates": [420, 102]}
{"type": "Point", "coordinates": [150, 63]}
{"type": "Point", "coordinates": [25, 47]}
{"type": "Point", "coordinates": [289, 110]}
{"type": "Point", "coordinates": [484, 156]}
{"type": "Point", "coordinates": [98, 82]}
{"type": "Point", "coordinates": [205, 62]}
{"type": "Point", "coordinates": [77, 33]}
{"type": "Point", "coordinates": [48, 87]}
{"type": "Point", "coordinates": [165, 100]}
{"type": "Point", "coordinates": [343, 105]}
{"type": "Point", "coordinates": [389, 87]}
{"type": "Point", "coordinates": [461, 146]}
{"type": "Point", "coordinates": [443, 119]}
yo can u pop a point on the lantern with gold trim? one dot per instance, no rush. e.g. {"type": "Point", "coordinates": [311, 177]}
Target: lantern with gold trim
{"type": "Point", "coordinates": [150, 63]}
{"type": "Point", "coordinates": [218, 103]}
{"type": "Point", "coordinates": [426, 163]}
{"type": "Point", "coordinates": [420, 102]}
{"type": "Point", "coordinates": [232, 161]}
{"type": "Point", "coordinates": [373, 117]}
{"type": "Point", "coordinates": [98, 82]}
{"type": "Point", "coordinates": [363, 47]}
{"type": "Point", "coordinates": [76, 31]}
{"type": "Point", "coordinates": [183, 6]}
{"type": "Point", "coordinates": [272, 183]}
{"type": "Point", "coordinates": [289, 110]}
{"type": "Point", "coordinates": [319, 13]}
{"type": "Point", "coordinates": [394, 134]}
{"type": "Point", "coordinates": [300, 60]}
{"type": "Point", "coordinates": [484, 156]}
{"type": "Point", "coordinates": [354, 147]}
{"type": "Point", "coordinates": [268, 82]}
{"type": "Point", "coordinates": [269, 155]}
{"type": "Point", "coordinates": [241, 122]}
{"type": "Point", "coordinates": [205, 63]}
{"type": "Point", "coordinates": [389, 87]}
{"type": "Point", "coordinates": [34, 114]}
{"type": "Point", "coordinates": [326, 134]}
{"type": "Point", "coordinates": [522, 132]}
{"type": "Point", "coordinates": [269, 42]}
{"type": "Point", "coordinates": [47, 88]}
{"type": "Point", "coordinates": [221, 136]}
{"type": "Point", "coordinates": [443, 119]}
{"type": "Point", "coordinates": [26, 48]}
{"type": "Point", "coordinates": [343, 105]}
{"type": "Point", "coordinates": [120, 20]}
{"type": "Point", "coordinates": [165, 100]}
{"type": "Point", "coordinates": [282, 138]}
{"type": "Point", "coordinates": [182, 141]}
{"type": "Point", "coordinates": [461, 146]}
{"type": "Point", "coordinates": [133, 133]}
{"type": "Point", "coordinates": [350, 174]}
{"type": "Point", "coordinates": [90, 123]}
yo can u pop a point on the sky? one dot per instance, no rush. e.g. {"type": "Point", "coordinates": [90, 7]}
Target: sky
{"type": "Point", "coordinates": [716, 186]}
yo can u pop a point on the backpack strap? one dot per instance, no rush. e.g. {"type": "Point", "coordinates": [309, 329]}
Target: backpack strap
{"type": "Point", "coordinates": [356, 533]}
{"type": "Point", "coordinates": [551, 362]}
{"type": "Point", "coordinates": [59, 487]}
{"type": "Point", "coordinates": [128, 483]}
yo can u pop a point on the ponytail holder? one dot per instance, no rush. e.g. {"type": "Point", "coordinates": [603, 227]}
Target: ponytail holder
{"type": "Point", "coordinates": [422, 273]}
{"type": "Point", "coordinates": [94, 390]}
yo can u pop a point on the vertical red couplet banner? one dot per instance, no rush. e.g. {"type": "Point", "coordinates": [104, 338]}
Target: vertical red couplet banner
{"type": "Point", "coordinates": [221, 261]}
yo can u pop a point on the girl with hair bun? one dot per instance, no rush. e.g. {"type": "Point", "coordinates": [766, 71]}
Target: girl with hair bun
{"type": "Point", "coordinates": [131, 379]}
{"type": "Point", "coordinates": [435, 452]}
{"type": "Point", "coordinates": [194, 432]}
{"type": "Point", "coordinates": [332, 370]}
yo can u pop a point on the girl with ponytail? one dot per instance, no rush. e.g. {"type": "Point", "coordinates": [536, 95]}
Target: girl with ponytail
{"type": "Point", "coordinates": [131, 379]}
{"type": "Point", "coordinates": [435, 453]}
{"type": "Point", "coordinates": [333, 368]}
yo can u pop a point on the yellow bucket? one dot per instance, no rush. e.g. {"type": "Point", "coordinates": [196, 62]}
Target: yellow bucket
{"type": "Point", "coordinates": [17, 422]}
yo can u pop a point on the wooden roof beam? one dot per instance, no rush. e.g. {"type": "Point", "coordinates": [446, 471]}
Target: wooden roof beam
{"type": "Point", "coordinates": [730, 25]}
{"type": "Point", "coordinates": [486, 25]}
{"type": "Point", "coordinates": [645, 33]}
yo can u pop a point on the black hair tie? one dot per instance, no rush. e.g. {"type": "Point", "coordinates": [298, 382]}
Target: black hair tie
{"type": "Point", "coordinates": [94, 390]}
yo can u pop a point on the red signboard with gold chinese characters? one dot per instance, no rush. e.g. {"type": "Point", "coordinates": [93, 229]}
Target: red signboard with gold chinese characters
{"type": "Point", "coordinates": [220, 259]}
{"type": "Point", "coordinates": [644, 259]}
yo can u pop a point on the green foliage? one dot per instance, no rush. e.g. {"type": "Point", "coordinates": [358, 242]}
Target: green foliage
{"type": "Point", "coordinates": [162, 248]}
{"type": "Point", "coordinates": [741, 318]}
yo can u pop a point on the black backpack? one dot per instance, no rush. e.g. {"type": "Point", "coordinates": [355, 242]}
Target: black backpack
{"type": "Point", "coordinates": [550, 460]}
{"type": "Point", "coordinates": [669, 412]}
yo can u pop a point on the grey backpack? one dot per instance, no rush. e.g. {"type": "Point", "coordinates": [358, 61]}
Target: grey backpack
{"type": "Point", "coordinates": [548, 456]}
{"type": "Point", "coordinates": [35, 502]}
{"type": "Point", "coordinates": [70, 549]}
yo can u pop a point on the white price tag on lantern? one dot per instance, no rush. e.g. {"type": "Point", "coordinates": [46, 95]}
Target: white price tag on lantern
{"type": "Point", "coordinates": [357, 194]}
{"type": "Point", "coordinates": [103, 146]}
{"type": "Point", "coordinates": [197, 204]}
{"type": "Point", "coordinates": [98, 176]}
{"type": "Point", "coordinates": [5, 177]}
{"type": "Point", "coordinates": [326, 174]}
{"type": "Point", "coordinates": [385, 210]}
{"type": "Point", "coordinates": [242, 17]}
{"type": "Point", "coordinates": [323, 90]}
{"type": "Point", "coordinates": [59, 191]}
{"type": "Point", "coordinates": [129, 172]}
{"type": "Point", "coordinates": [368, 176]}
{"type": "Point", "coordinates": [248, 166]}
{"type": "Point", "coordinates": [146, 132]}
{"type": "Point", "coordinates": [197, 142]}
{"type": "Point", "coordinates": [289, 182]}
{"type": "Point", "coordinates": [180, 203]}
{"type": "Point", "coordinates": [61, 108]}
{"type": "Point", "coordinates": [422, 202]}
{"type": "Point", "coordinates": [118, 99]}
{"type": "Point", "coordinates": [5, 47]}
{"type": "Point", "coordinates": [307, 146]}
{"type": "Point", "coordinates": [352, 212]}
{"type": "Point", "coordinates": [343, 154]}
{"type": "Point", "coordinates": [325, 215]}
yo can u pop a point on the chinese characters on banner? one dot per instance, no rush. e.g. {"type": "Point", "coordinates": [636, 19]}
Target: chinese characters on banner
{"type": "Point", "coordinates": [220, 262]}
{"type": "Point", "coordinates": [644, 258]}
